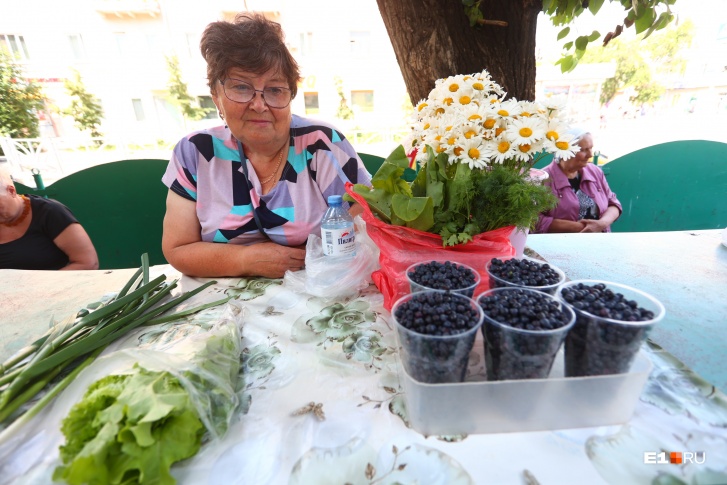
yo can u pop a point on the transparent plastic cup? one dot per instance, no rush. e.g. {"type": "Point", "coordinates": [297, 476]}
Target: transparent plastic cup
{"type": "Point", "coordinates": [514, 353]}
{"type": "Point", "coordinates": [468, 291]}
{"type": "Point", "coordinates": [435, 359]}
{"type": "Point", "coordinates": [600, 346]}
{"type": "Point", "coordinates": [498, 282]}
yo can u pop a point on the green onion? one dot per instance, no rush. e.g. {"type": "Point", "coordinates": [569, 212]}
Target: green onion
{"type": "Point", "coordinates": [35, 367]}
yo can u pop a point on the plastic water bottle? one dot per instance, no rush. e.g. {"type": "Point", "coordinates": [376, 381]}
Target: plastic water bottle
{"type": "Point", "coordinates": [337, 235]}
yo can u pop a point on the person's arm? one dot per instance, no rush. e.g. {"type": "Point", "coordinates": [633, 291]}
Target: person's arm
{"type": "Point", "coordinates": [607, 218]}
{"type": "Point", "coordinates": [564, 225]}
{"type": "Point", "coordinates": [183, 247]}
{"type": "Point", "coordinates": [74, 241]}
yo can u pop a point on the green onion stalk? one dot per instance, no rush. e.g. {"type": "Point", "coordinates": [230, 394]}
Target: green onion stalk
{"type": "Point", "coordinates": [34, 368]}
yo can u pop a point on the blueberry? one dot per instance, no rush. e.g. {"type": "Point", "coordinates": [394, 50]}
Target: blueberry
{"type": "Point", "coordinates": [522, 272]}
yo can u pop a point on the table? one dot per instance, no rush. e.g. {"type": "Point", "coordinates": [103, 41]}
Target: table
{"type": "Point", "coordinates": [341, 355]}
{"type": "Point", "coordinates": [685, 270]}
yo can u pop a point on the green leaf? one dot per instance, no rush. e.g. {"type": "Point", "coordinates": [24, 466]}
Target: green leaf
{"type": "Point", "coordinates": [568, 45]}
{"type": "Point", "coordinates": [563, 33]}
{"type": "Point", "coordinates": [594, 36]}
{"type": "Point", "coordinates": [595, 5]}
{"type": "Point", "coordinates": [645, 20]}
{"type": "Point", "coordinates": [581, 43]}
{"type": "Point", "coordinates": [567, 63]}
{"type": "Point", "coordinates": [417, 212]}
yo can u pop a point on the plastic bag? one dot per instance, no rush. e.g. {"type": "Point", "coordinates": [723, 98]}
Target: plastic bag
{"type": "Point", "coordinates": [203, 356]}
{"type": "Point", "coordinates": [400, 247]}
{"type": "Point", "coordinates": [334, 278]}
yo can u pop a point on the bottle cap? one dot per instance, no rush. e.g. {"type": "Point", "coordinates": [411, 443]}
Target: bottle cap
{"type": "Point", "coordinates": [335, 200]}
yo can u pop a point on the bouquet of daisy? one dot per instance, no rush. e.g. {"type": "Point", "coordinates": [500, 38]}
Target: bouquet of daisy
{"type": "Point", "coordinates": [474, 151]}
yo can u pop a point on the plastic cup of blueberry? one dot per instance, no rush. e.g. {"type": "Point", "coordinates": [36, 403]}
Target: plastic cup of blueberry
{"type": "Point", "coordinates": [523, 331]}
{"type": "Point", "coordinates": [436, 331]}
{"type": "Point", "coordinates": [612, 321]}
{"type": "Point", "coordinates": [524, 273]}
{"type": "Point", "coordinates": [443, 275]}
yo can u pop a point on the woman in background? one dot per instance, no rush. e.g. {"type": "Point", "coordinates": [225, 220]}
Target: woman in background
{"type": "Point", "coordinates": [585, 201]}
{"type": "Point", "coordinates": [38, 233]}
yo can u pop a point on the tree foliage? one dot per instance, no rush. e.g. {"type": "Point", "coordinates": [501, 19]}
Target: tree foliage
{"type": "Point", "coordinates": [19, 100]}
{"type": "Point", "coordinates": [636, 59]}
{"type": "Point", "coordinates": [343, 112]}
{"type": "Point", "coordinates": [435, 39]}
{"type": "Point", "coordinates": [179, 93]}
{"type": "Point", "coordinates": [85, 108]}
{"type": "Point", "coordinates": [645, 16]}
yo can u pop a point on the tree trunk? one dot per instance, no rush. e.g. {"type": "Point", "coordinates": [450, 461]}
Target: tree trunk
{"type": "Point", "coordinates": [432, 39]}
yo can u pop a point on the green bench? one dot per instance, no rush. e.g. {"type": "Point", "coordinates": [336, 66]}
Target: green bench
{"type": "Point", "coordinates": [120, 204]}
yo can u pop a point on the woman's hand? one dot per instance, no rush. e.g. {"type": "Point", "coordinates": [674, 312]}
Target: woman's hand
{"type": "Point", "coordinates": [184, 249]}
{"type": "Point", "coordinates": [592, 225]}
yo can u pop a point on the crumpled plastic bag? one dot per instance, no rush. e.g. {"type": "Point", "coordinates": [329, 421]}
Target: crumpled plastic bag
{"type": "Point", "coordinates": [333, 277]}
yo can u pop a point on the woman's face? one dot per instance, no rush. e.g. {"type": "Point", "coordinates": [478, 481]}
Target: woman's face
{"type": "Point", "coordinates": [8, 203]}
{"type": "Point", "coordinates": [254, 123]}
{"type": "Point", "coordinates": [580, 159]}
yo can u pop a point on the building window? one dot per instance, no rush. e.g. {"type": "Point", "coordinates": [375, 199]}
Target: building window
{"type": "Point", "coordinates": [311, 103]}
{"type": "Point", "coordinates": [207, 103]}
{"type": "Point", "coordinates": [15, 45]}
{"type": "Point", "coordinates": [122, 44]}
{"type": "Point", "coordinates": [360, 43]}
{"type": "Point", "coordinates": [78, 51]}
{"type": "Point", "coordinates": [363, 100]}
{"type": "Point", "coordinates": [306, 43]}
{"type": "Point", "coordinates": [138, 109]}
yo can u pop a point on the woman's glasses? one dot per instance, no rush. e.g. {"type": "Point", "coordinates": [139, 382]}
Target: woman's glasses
{"type": "Point", "coordinates": [242, 92]}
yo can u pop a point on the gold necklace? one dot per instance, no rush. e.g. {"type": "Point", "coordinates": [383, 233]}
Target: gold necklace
{"type": "Point", "coordinates": [23, 214]}
{"type": "Point", "coordinates": [280, 160]}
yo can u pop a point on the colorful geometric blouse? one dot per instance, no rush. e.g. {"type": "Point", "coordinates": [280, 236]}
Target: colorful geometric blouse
{"type": "Point", "coordinates": [205, 167]}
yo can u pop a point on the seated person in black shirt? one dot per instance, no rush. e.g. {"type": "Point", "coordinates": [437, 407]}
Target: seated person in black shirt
{"type": "Point", "coordinates": [38, 233]}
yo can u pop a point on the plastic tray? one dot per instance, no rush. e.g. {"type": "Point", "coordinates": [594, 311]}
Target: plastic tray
{"type": "Point", "coordinates": [524, 405]}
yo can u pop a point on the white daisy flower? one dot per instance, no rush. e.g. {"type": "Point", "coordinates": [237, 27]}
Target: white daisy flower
{"type": "Point", "coordinates": [564, 148]}
{"type": "Point", "coordinates": [473, 153]}
{"type": "Point", "coordinates": [525, 130]}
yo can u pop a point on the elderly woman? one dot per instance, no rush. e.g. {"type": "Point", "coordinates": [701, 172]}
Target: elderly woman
{"type": "Point", "coordinates": [244, 197]}
{"type": "Point", "coordinates": [38, 233]}
{"type": "Point", "coordinates": [585, 201]}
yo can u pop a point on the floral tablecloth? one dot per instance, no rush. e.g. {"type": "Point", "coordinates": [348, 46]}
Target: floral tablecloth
{"type": "Point", "coordinates": [323, 404]}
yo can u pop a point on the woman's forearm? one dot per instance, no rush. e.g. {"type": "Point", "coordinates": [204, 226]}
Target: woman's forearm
{"type": "Point", "coordinates": [206, 259]}
{"type": "Point", "coordinates": [564, 225]}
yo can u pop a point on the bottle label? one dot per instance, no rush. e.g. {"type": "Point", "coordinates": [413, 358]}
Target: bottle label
{"type": "Point", "coordinates": [339, 242]}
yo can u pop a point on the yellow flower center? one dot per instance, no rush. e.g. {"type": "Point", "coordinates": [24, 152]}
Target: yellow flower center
{"type": "Point", "coordinates": [525, 132]}
{"type": "Point", "coordinates": [453, 88]}
{"type": "Point", "coordinates": [478, 86]}
{"type": "Point", "coordinates": [552, 135]}
{"type": "Point", "coordinates": [458, 151]}
{"type": "Point", "coordinates": [473, 153]}
{"type": "Point", "coordinates": [440, 111]}
{"type": "Point", "coordinates": [426, 126]}
{"type": "Point", "coordinates": [465, 100]}
{"type": "Point", "coordinates": [525, 114]}
{"type": "Point", "coordinates": [503, 146]}
{"type": "Point", "coordinates": [438, 137]}
{"type": "Point", "coordinates": [561, 145]}
{"type": "Point", "coordinates": [448, 128]}
{"type": "Point", "coordinates": [493, 101]}
{"type": "Point", "coordinates": [524, 148]}
{"type": "Point", "coordinates": [474, 117]}
{"type": "Point", "coordinates": [440, 149]}
{"type": "Point", "coordinates": [499, 131]}
{"type": "Point", "coordinates": [469, 134]}
{"type": "Point", "coordinates": [503, 112]}
{"type": "Point", "coordinates": [422, 106]}
{"type": "Point", "coordinates": [489, 123]}
{"type": "Point", "coordinates": [448, 101]}
{"type": "Point", "coordinates": [450, 141]}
